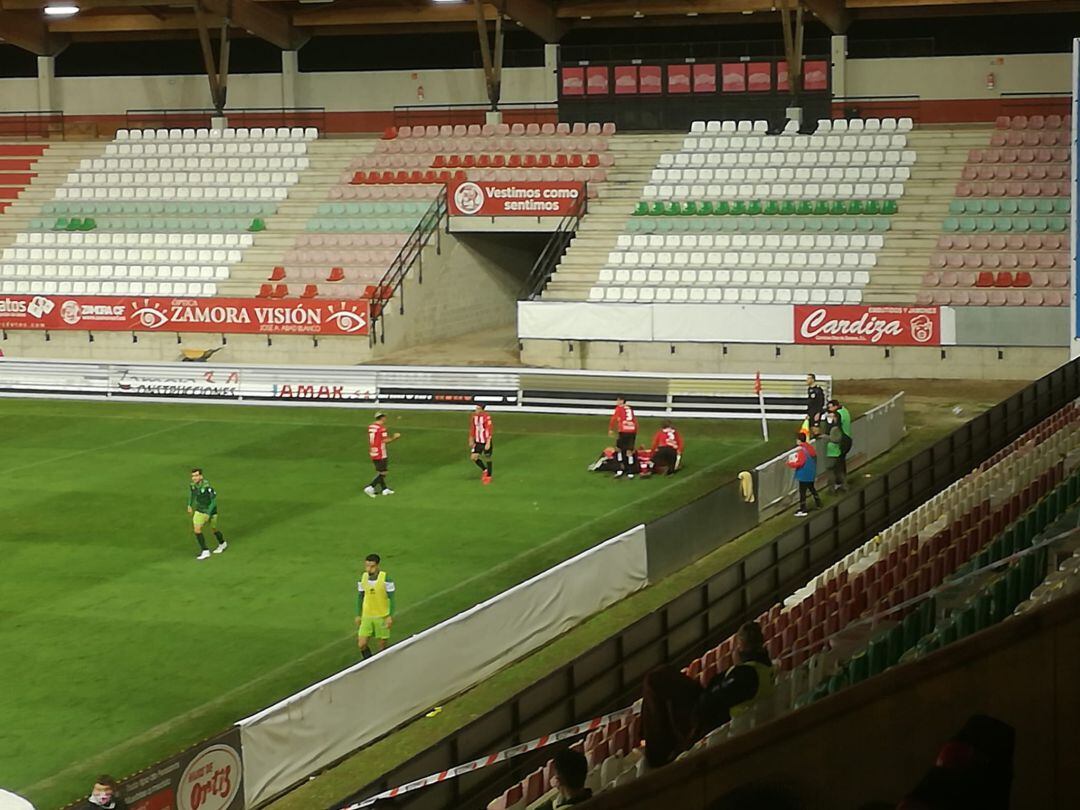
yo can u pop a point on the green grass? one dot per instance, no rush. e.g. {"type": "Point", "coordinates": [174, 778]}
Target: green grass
{"type": "Point", "coordinates": [120, 648]}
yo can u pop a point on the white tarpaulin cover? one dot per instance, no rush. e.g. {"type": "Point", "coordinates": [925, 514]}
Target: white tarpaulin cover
{"type": "Point", "coordinates": [285, 742]}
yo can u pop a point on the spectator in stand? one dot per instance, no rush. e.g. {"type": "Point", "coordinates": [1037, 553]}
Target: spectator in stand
{"type": "Point", "coordinates": [815, 401]}
{"type": "Point", "coordinates": [667, 449]}
{"type": "Point", "coordinates": [676, 711]}
{"type": "Point", "coordinates": [571, 769]}
{"type": "Point", "coordinates": [105, 794]}
{"type": "Point", "coordinates": [803, 460]}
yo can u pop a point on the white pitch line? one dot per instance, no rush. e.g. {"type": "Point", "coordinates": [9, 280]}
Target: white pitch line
{"type": "Point", "coordinates": [131, 440]}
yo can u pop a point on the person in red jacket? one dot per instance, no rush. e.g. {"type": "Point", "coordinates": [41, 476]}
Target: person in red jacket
{"type": "Point", "coordinates": [667, 449]}
{"type": "Point", "coordinates": [624, 422]}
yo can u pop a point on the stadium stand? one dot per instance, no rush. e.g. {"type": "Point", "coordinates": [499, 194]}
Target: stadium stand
{"type": "Point", "coordinates": [969, 557]}
{"type": "Point", "coordinates": [17, 170]}
{"type": "Point", "coordinates": [1005, 241]}
{"type": "Point", "coordinates": [162, 212]}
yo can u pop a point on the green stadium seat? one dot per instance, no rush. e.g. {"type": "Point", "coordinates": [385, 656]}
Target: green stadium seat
{"type": "Point", "coordinates": [780, 224]}
{"type": "Point", "coordinates": [992, 207]}
{"type": "Point", "coordinates": [821, 208]}
{"type": "Point", "coordinates": [705, 209]}
{"type": "Point", "coordinates": [257, 225]}
{"type": "Point", "coordinates": [857, 207]}
{"type": "Point", "coordinates": [1044, 207]}
{"type": "Point", "coordinates": [1059, 224]}
{"type": "Point", "coordinates": [838, 208]}
{"type": "Point", "coordinates": [1010, 208]}
{"type": "Point", "coordinates": [1026, 207]}
{"type": "Point", "coordinates": [722, 208]}
{"type": "Point", "coordinates": [641, 210]}
{"type": "Point", "coordinates": [957, 207]}
{"type": "Point", "coordinates": [61, 224]}
{"type": "Point", "coordinates": [657, 209]}
{"type": "Point", "coordinates": [830, 224]}
{"type": "Point", "coordinates": [804, 208]}
{"type": "Point", "coordinates": [889, 207]}
{"type": "Point", "coordinates": [787, 208]}
{"type": "Point", "coordinates": [771, 208]}
{"type": "Point", "coordinates": [796, 224]}
{"type": "Point", "coordinates": [1020, 224]}
{"type": "Point", "coordinates": [738, 208]}
{"type": "Point", "coordinates": [848, 224]}
{"type": "Point", "coordinates": [967, 225]}
{"type": "Point", "coordinates": [664, 226]}
{"type": "Point", "coordinates": [951, 224]}
{"type": "Point", "coordinates": [1062, 205]}
{"type": "Point", "coordinates": [753, 207]}
{"type": "Point", "coordinates": [1040, 224]}
{"type": "Point", "coordinates": [812, 225]}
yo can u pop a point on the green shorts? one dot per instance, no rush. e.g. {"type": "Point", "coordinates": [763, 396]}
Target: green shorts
{"type": "Point", "coordinates": [200, 519]}
{"type": "Point", "coordinates": [373, 626]}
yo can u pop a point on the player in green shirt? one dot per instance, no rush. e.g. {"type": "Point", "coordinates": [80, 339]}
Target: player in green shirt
{"type": "Point", "coordinates": [202, 506]}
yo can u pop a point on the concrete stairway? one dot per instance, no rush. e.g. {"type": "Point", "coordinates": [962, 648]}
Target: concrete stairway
{"type": "Point", "coordinates": [635, 158]}
{"type": "Point", "coordinates": [941, 155]}
{"type": "Point", "coordinates": [51, 172]}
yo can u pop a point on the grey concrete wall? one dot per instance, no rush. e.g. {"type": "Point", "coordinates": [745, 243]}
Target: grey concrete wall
{"type": "Point", "coordinates": [1012, 326]}
{"type": "Point", "coordinates": [845, 362]}
{"type": "Point", "coordinates": [473, 285]}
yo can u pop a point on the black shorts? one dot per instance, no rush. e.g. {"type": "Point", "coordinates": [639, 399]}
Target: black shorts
{"type": "Point", "coordinates": [479, 449]}
{"type": "Point", "coordinates": [380, 464]}
{"type": "Point", "coordinates": [665, 457]}
{"type": "Point", "coordinates": [626, 441]}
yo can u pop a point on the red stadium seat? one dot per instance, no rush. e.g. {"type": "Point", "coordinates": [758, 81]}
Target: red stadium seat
{"type": "Point", "coordinates": [277, 274]}
{"type": "Point", "coordinates": [265, 291]}
{"type": "Point", "coordinates": [280, 291]}
{"type": "Point", "coordinates": [336, 274]}
{"type": "Point", "coordinates": [984, 279]}
{"type": "Point", "coordinates": [310, 291]}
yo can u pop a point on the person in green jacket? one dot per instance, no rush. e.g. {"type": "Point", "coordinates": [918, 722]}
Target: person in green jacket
{"type": "Point", "coordinates": [838, 419]}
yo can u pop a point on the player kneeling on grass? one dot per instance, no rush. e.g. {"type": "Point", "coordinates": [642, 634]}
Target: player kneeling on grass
{"type": "Point", "coordinates": [480, 433]}
{"type": "Point", "coordinates": [374, 606]}
{"type": "Point", "coordinates": [667, 449]}
{"type": "Point", "coordinates": [378, 438]}
{"type": "Point", "coordinates": [202, 506]}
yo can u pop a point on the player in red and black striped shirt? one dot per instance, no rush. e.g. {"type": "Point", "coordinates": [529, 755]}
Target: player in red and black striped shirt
{"type": "Point", "coordinates": [624, 421]}
{"type": "Point", "coordinates": [480, 432]}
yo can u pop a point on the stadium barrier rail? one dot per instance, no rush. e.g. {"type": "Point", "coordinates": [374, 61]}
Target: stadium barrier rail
{"type": "Point", "coordinates": [284, 743]}
{"type": "Point", "coordinates": [196, 118]}
{"type": "Point", "coordinates": [513, 112]}
{"type": "Point", "coordinates": [28, 124]}
{"type": "Point", "coordinates": [875, 432]}
{"type": "Point", "coordinates": [726, 396]}
{"type": "Point", "coordinates": [608, 676]}
{"type": "Point", "coordinates": [548, 261]}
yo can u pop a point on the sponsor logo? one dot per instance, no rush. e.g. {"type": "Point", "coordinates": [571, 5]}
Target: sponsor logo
{"type": "Point", "coordinates": [207, 384]}
{"type": "Point", "coordinates": [69, 312]}
{"type": "Point", "coordinates": [922, 328]}
{"type": "Point", "coordinates": [211, 781]}
{"type": "Point", "coordinates": [40, 306]}
{"type": "Point", "coordinates": [313, 391]}
{"type": "Point", "coordinates": [469, 198]}
{"type": "Point", "coordinates": [867, 326]}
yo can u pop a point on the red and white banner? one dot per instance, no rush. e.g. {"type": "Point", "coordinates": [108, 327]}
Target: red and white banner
{"type": "Point", "coordinates": [99, 313]}
{"type": "Point", "coordinates": [704, 78]}
{"type": "Point", "coordinates": [515, 199]}
{"type": "Point", "coordinates": [868, 326]}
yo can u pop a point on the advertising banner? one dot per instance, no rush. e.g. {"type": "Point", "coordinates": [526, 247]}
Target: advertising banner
{"type": "Point", "coordinates": [649, 77]}
{"type": "Point", "coordinates": [782, 82]}
{"type": "Point", "coordinates": [626, 79]}
{"type": "Point", "coordinates": [816, 75]}
{"type": "Point", "coordinates": [101, 313]}
{"type": "Point", "coordinates": [186, 381]}
{"type": "Point", "coordinates": [867, 326]}
{"type": "Point", "coordinates": [207, 776]}
{"type": "Point", "coordinates": [678, 78]}
{"type": "Point", "coordinates": [514, 199]}
{"type": "Point", "coordinates": [733, 77]}
{"type": "Point", "coordinates": [759, 77]}
{"type": "Point", "coordinates": [573, 81]}
{"type": "Point", "coordinates": [704, 78]}
{"type": "Point", "coordinates": [596, 81]}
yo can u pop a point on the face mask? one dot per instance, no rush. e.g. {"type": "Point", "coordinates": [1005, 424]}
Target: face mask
{"type": "Point", "coordinates": [101, 799]}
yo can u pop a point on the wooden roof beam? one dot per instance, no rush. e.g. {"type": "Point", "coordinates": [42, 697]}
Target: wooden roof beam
{"type": "Point", "coordinates": [259, 20]}
{"type": "Point", "coordinates": [27, 30]}
{"type": "Point", "coordinates": [536, 15]}
{"type": "Point", "coordinates": [833, 13]}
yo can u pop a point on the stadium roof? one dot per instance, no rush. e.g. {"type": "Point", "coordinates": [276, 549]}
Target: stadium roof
{"type": "Point", "coordinates": [289, 23]}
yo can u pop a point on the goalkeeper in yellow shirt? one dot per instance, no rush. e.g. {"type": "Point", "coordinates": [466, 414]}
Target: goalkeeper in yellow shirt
{"type": "Point", "coordinates": [374, 606]}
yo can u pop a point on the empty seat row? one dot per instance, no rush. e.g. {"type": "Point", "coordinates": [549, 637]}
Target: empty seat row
{"type": "Point", "coordinates": [224, 134]}
{"type": "Point", "coordinates": [1016, 173]}
{"type": "Point", "coordinates": [1031, 139]}
{"type": "Point", "coordinates": [415, 191]}
{"type": "Point", "coordinates": [1033, 122]}
{"type": "Point", "coordinates": [815, 241]}
{"type": "Point", "coordinates": [205, 149]}
{"type": "Point", "coordinates": [1050, 188]}
{"type": "Point", "coordinates": [730, 127]}
{"type": "Point", "coordinates": [1000, 242]}
{"type": "Point", "coordinates": [701, 205]}
{"type": "Point", "coordinates": [999, 298]}
{"type": "Point", "coordinates": [561, 144]}
{"type": "Point", "coordinates": [26, 287]}
{"type": "Point", "coordinates": [1045, 260]}
{"type": "Point", "coordinates": [319, 240]}
{"type": "Point", "coordinates": [1043, 206]}
{"type": "Point", "coordinates": [198, 240]}
{"type": "Point", "coordinates": [158, 207]}
{"type": "Point", "coordinates": [729, 295]}
{"type": "Point", "coordinates": [790, 159]}
{"type": "Point", "coordinates": [205, 164]}
{"type": "Point", "coordinates": [1043, 155]}
{"type": "Point", "coordinates": [738, 278]}
{"type": "Point", "coordinates": [316, 273]}
{"type": "Point", "coordinates": [1005, 224]}
{"type": "Point", "coordinates": [179, 179]}
{"type": "Point", "coordinates": [795, 143]}
{"type": "Point", "coordinates": [339, 256]}
{"type": "Point", "coordinates": [342, 291]}
{"type": "Point", "coordinates": [903, 124]}
{"type": "Point", "coordinates": [372, 209]}
{"type": "Point", "coordinates": [528, 160]}
{"type": "Point", "coordinates": [540, 175]}
{"type": "Point", "coordinates": [362, 225]}
{"type": "Point", "coordinates": [747, 258]}
{"type": "Point", "coordinates": [1003, 278]}
{"type": "Point", "coordinates": [475, 130]}
{"type": "Point", "coordinates": [158, 225]}
{"type": "Point", "coordinates": [832, 174]}
{"type": "Point", "coordinates": [114, 271]}
{"type": "Point", "coordinates": [762, 224]}
{"type": "Point", "coordinates": [109, 255]}
{"type": "Point", "coordinates": [173, 192]}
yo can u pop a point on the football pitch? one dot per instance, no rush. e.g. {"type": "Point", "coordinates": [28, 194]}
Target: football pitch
{"type": "Point", "coordinates": [120, 648]}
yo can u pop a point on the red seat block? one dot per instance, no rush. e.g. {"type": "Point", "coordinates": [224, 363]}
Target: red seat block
{"type": "Point", "coordinates": [984, 279]}
{"type": "Point", "coordinates": [1003, 279]}
{"type": "Point", "coordinates": [265, 291]}
{"type": "Point", "coordinates": [277, 274]}
{"type": "Point", "coordinates": [310, 291]}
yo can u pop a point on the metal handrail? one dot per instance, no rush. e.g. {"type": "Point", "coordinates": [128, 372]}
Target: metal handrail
{"type": "Point", "coordinates": [27, 124]}
{"type": "Point", "coordinates": [548, 260]}
{"type": "Point", "coordinates": [199, 116]}
{"type": "Point", "coordinates": [412, 252]}
{"type": "Point", "coordinates": [412, 114]}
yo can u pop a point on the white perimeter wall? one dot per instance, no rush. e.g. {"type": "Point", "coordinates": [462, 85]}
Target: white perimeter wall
{"type": "Point", "coordinates": [959, 77]}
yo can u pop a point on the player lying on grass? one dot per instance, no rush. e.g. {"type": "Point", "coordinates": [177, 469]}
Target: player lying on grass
{"type": "Point", "coordinates": [480, 433]}
{"type": "Point", "coordinates": [202, 506]}
{"type": "Point", "coordinates": [374, 606]}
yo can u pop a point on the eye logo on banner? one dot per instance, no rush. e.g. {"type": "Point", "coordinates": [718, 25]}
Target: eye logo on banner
{"type": "Point", "coordinates": [469, 198]}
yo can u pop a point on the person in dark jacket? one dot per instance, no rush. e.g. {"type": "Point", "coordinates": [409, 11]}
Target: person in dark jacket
{"type": "Point", "coordinates": [677, 711]}
{"type": "Point", "coordinates": [803, 460]}
{"type": "Point", "coordinates": [571, 770]}
{"type": "Point", "coordinates": [815, 401]}
{"type": "Point", "coordinates": [838, 421]}
{"type": "Point", "coordinates": [105, 795]}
